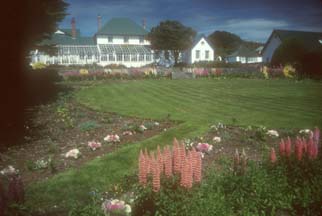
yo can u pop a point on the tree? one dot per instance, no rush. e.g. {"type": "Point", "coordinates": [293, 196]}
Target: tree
{"type": "Point", "coordinates": [25, 24]}
{"type": "Point", "coordinates": [173, 36]}
{"type": "Point", "coordinates": [289, 52]}
{"type": "Point", "coordinates": [225, 42]}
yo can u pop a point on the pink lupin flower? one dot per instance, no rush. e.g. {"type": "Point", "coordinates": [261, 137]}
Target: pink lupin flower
{"type": "Point", "coordinates": [311, 148]}
{"type": "Point", "coordinates": [176, 156]}
{"type": "Point", "coordinates": [160, 159]}
{"type": "Point", "coordinates": [142, 169]}
{"type": "Point", "coordinates": [316, 135]}
{"type": "Point", "coordinates": [299, 149]}
{"type": "Point", "coordinates": [167, 162]}
{"type": "Point", "coordinates": [288, 147]}
{"type": "Point", "coordinates": [282, 147]}
{"type": "Point", "coordinates": [155, 174]}
{"type": "Point", "coordinates": [273, 155]}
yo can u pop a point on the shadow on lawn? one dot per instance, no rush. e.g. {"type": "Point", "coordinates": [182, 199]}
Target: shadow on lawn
{"type": "Point", "coordinates": [38, 87]}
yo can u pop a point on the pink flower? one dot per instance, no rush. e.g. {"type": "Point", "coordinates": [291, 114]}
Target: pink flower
{"type": "Point", "coordinates": [112, 138]}
{"type": "Point", "coordinates": [129, 133]}
{"type": "Point", "coordinates": [282, 147]}
{"type": "Point", "coordinates": [204, 147]}
{"type": "Point", "coordinates": [288, 147]}
{"type": "Point", "coordinates": [299, 148]}
{"type": "Point", "coordinates": [316, 135]}
{"type": "Point", "coordinates": [94, 145]}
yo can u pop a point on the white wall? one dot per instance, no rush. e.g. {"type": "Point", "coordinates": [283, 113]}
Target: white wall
{"type": "Point", "coordinates": [272, 45]}
{"type": "Point", "coordinates": [202, 45]}
{"type": "Point", "coordinates": [133, 40]}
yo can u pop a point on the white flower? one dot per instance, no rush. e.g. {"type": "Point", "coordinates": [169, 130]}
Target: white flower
{"type": "Point", "coordinates": [272, 133]}
{"type": "Point", "coordinates": [305, 131]}
{"type": "Point", "coordinates": [143, 128]}
{"type": "Point", "coordinates": [75, 153]}
{"type": "Point", "coordinates": [128, 209]}
{"type": "Point", "coordinates": [9, 170]}
{"type": "Point", "coordinates": [217, 139]}
{"type": "Point", "coordinates": [156, 123]}
{"type": "Point", "coordinates": [112, 138]}
{"type": "Point", "coordinates": [129, 133]}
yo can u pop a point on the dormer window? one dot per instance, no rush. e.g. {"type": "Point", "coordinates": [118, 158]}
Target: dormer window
{"type": "Point", "coordinates": [126, 39]}
{"type": "Point", "coordinates": [202, 42]}
{"type": "Point", "coordinates": [110, 39]}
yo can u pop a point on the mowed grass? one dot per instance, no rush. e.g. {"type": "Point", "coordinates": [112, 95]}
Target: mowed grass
{"type": "Point", "coordinates": [197, 104]}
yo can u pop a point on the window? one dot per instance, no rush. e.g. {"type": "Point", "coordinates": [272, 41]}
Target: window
{"type": "Point", "coordinates": [148, 57]}
{"type": "Point", "coordinates": [126, 57]}
{"type": "Point", "coordinates": [141, 57]}
{"type": "Point", "coordinates": [119, 57]}
{"type": "Point", "coordinates": [197, 54]}
{"type": "Point", "coordinates": [81, 56]}
{"type": "Point", "coordinates": [202, 43]}
{"type": "Point", "coordinates": [126, 39]}
{"type": "Point", "coordinates": [110, 39]}
{"type": "Point", "coordinates": [134, 57]}
{"type": "Point", "coordinates": [141, 39]}
{"type": "Point", "coordinates": [207, 54]}
{"type": "Point", "coordinates": [104, 58]}
{"type": "Point", "coordinates": [111, 57]}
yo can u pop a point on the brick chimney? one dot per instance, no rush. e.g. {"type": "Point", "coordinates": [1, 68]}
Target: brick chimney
{"type": "Point", "coordinates": [144, 23]}
{"type": "Point", "coordinates": [99, 22]}
{"type": "Point", "coordinates": [73, 27]}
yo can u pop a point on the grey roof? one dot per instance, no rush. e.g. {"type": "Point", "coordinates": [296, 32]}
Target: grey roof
{"type": "Point", "coordinates": [198, 38]}
{"type": "Point", "coordinates": [310, 40]}
{"type": "Point", "coordinates": [245, 52]}
{"type": "Point", "coordinates": [122, 26]}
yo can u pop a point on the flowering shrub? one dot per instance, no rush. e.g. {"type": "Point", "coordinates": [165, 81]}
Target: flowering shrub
{"type": "Point", "coordinates": [127, 133]}
{"type": "Point", "coordinates": [94, 145]}
{"type": "Point", "coordinates": [216, 139]}
{"type": "Point", "coordinates": [10, 170]}
{"type": "Point", "coordinates": [116, 207]}
{"type": "Point", "coordinates": [74, 153]}
{"type": "Point", "coordinates": [289, 71]}
{"type": "Point", "coordinates": [204, 147]}
{"type": "Point", "coordinates": [112, 138]}
{"type": "Point", "coordinates": [187, 164]}
{"type": "Point", "coordinates": [272, 133]}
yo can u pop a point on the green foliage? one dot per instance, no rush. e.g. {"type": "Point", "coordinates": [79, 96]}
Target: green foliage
{"type": "Point", "coordinates": [65, 116]}
{"type": "Point", "coordinates": [171, 199]}
{"type": "Point", "coordinates": [171, 35]}
{"type": "Point", "coordinates": [88, 125]}
{"type": "Point", "coordinates": [226, 42]}
{"type": "Point", "coordinates": [91, 209]}
{"type": "Point", "coordinates": [38, 65]}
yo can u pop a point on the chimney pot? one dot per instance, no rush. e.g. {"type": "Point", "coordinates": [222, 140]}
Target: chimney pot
{"type": "Point", "coordinates": [144, 23]}
{"type": "Point", "coordinates": [99, 22]}
{"type": "Point", "coordinates": [73, 27]}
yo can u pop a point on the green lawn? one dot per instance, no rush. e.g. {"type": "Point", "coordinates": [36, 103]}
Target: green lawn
{"type": "Point", "coordinates": [195, 103]}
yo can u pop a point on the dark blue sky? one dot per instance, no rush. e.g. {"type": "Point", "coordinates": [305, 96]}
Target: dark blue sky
{"type": "Point", "coordinates": [250, 19]}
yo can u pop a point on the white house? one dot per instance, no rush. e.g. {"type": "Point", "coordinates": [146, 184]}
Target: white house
{"type": "Point", "coordinates": [201, 50]}
{"type": "Point", "coordinates": [245, 55]}
{"type": "Point", "coordinates": [119, 41]}
{"type": "Point", "coordinates": [311, 40]}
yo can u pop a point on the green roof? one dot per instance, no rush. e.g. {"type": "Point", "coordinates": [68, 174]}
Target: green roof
{"type": "Point", "coordinates": [69, 32]}
{"type": "Point", "coordinates": [122, 26]}
{"type": "Point", "coordinates": [60, 39]}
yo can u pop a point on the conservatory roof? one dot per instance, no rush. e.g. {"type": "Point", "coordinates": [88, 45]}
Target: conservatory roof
{"type": "Point", "coordinates": [88, 50]}
{"type": "Point", "coordinates": [124, 49]}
